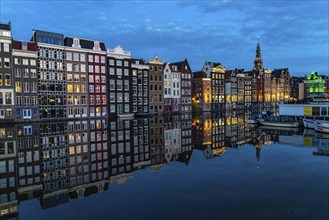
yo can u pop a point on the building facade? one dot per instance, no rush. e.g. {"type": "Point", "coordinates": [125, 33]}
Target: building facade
{"type": "Point", "coordinates": [76, 79]}
{"type": "Point", "coordinates": [120, 81]}
{"type": "Point", "coordinates": [26, 80]}
{"type": "Point", "coordinates": [201, 92]}
{"type": "Point", "coordinates": [7, 102]}
{"type": "Point", "coordinates": [156, 85]}
{"type": "Point", "coordinates": [52, 74]}
{"type": "Point", "coordinates": [140, 86]}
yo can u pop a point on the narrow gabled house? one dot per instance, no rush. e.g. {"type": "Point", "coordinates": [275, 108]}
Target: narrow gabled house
{"type": "Point", "coordinates": [183, 72]}
{"type": "Point", "coordinates": [140, 86]}
{"type": "Point", "coordinates": [52, 74]}
{"type": "Point", "coordinates": [26, 80]}
{"type": "Point", "coordinates": [120, 81]}
{"type": "Point", "coordinates": [156, 85]}
{"type": "Point", "coordinates": [7, 101]}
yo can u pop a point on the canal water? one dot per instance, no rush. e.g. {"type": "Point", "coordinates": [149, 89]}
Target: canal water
{"type": "Point", "coordinates": [177, 167]}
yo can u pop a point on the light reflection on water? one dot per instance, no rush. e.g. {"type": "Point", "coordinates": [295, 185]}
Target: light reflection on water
{"type": "Point", "coordinates": [167, 167]}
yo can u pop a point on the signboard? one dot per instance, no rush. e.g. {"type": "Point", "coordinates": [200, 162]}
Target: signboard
{"type": "Point", "coordinates": [308, 110]}
{"type": "Point", "coordinates": [307, 141]}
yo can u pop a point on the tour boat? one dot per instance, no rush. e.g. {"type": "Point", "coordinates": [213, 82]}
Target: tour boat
{"type": "Point", "coordinates": [277, 121]}
{"type": "Point", "coordinates": [322, 127]}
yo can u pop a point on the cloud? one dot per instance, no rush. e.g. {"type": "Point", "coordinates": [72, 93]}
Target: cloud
{"type": "Point", "coordinates": [226, 31]}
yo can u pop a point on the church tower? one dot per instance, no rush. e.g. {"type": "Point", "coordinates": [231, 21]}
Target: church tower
{"type": "Point", "coordinates": [258, 63]}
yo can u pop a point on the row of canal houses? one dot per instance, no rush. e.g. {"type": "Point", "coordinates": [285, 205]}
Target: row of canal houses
{"type": "Point", "coordinates": [57, 77]}
{"type": "Point", "coordinates": [254, 91]}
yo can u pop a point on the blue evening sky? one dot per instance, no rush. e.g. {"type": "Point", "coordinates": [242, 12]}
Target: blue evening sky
{"type": "Point", "coordinates": [293, 34]}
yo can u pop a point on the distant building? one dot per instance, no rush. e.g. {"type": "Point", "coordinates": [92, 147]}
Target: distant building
{"type": "Point", "coordinates": [313, 85]}
{"type": "Point", "coordinates": [283, 91]}
{"type": "Point", "coordinates": [294, 84]}
{"type": "Point", "coordinates": [207, 67]}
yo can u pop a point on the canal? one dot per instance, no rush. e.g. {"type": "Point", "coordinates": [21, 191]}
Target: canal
{"type": "Point", "coordinates": [165, 167]}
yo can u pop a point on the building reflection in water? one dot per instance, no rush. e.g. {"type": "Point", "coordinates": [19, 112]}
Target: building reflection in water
{"type": "Point", "coordinates": [58, 161]}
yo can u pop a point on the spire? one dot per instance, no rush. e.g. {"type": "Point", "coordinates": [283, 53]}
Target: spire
{"type": "Point", "coordinates": [258, 63]}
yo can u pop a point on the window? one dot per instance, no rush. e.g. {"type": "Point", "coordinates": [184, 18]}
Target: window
{"type": "Point", "coordinates": [68, 56]}
{"type": "Point", "coordinates": [97, 69]}
{"type": "Point", "coordinates": [7, 80]}
{"type": "Point", "coordinates": [25, 61]}
{"type": "Point", "coordinates": [8, 98]}
{"type": "Point", "coordinates": [90, 58]}
{"type": "Point", "coordinates": [102, 59]}
{"type": "Point", "coordinates": [126, 84]}
{"type": "Point", "coordinates": [26, 101]}
{"type": "Point", "coordinates": [76, 42]}
{"type": "Point", "coordinates": [96, 58]}
{"type": "Point", "coordinates": [34, 87]}
{"type": "Point", "coordinates": [103, 79]}
{"type": "Point", "coordinates": [126, 72]}
{"type": "Point", "coordinates": [83, 68]}
{"type": "Point", "coordinates": [6, 63]}
{"type": "Point", "coordinates": [96, 46]}
{"type": "Point", "coordinates": [69, 67]}
{"type": "Point", "coordinates": [18, 86]}
{"type": "Point", "coordinates": [112, 97]}
{"type": "Point", "coordinates": [27, 130]}
{"type": "Point", "coordinates": [6, 47]}
{"type": "Point", "coordinates": [111, 71]}
{"type": "Point", "coordinates": [18, 100]}
{"type": "Point", "coordinates": [102, 69]}
{"type": "Point", "coordinates": [34, 101]}
{"type": "Point", "coordinates": [76, 57]}
{"type": "Point", "coordinates": [112, 84]}
{"type": "Point", "coordinates": [17, 61]}
{"type": "Point", "coordinates": [33, 73]}
{"type": "Point", "coordinates": [76, 67]}
{"type": "Point", "coordinates": [91, 88]}
{"type": "Point", "coordinates": [1, 80]}
{"type": "Point", "coordinates": [91, 68]}
{"type": "Point", "coordinates": [26, 86]}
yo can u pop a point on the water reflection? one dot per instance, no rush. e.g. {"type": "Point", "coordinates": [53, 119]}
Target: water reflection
{"type": "Point", "coordinates": [59, 161]}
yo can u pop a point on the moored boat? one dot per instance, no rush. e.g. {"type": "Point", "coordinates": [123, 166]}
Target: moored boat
{"type": "Point", "coordinates": [126, 115]}
{"type": "Point", "coordinates": [322, 127]}
{"type": "Point", "coordinates": [277, 121]}
{"type": "Point", "coordinates": [309, 123]}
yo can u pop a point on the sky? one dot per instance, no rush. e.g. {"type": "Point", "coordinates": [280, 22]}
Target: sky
{"type": "Point", "coordinates": [293, 33]}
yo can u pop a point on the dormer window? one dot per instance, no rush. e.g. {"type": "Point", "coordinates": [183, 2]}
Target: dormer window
{"type": "Point", "coordinates": [174, 68]}
{"type": "Point", "coordinates": [76, 42]}
{"type": "Point", "coordinates": [24, 45]}
{"type": "Point", "coordinates": [185, 67]}
{"type": "Point", "coordinates": [96, 46]}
